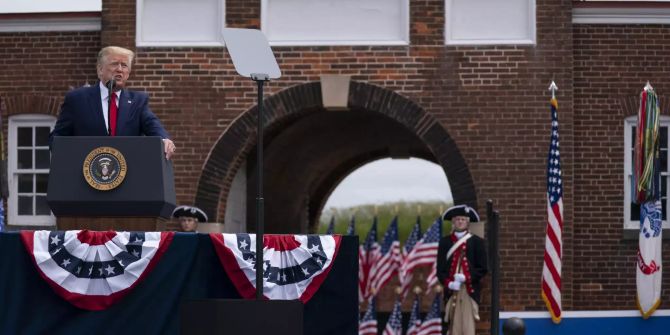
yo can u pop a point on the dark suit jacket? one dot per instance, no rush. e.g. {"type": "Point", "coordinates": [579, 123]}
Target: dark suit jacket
{"type": "Point", "coordinates": [81, 115]}
{"type": "Point", "coordinates": [476, 255]}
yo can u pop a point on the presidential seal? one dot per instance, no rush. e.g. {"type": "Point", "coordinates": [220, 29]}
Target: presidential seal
{"type": "Point", "coordinates": [105, 168]}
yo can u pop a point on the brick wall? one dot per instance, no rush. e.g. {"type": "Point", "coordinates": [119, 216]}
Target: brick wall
{"type": "Point", "coordinates": [492, 101]}
{"type": "Point", "coordinates": [611, 66]}
{"type": "Point", "coordinates": [46, 64]}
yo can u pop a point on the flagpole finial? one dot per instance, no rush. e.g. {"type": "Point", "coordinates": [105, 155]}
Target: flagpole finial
{"type": "Point", "coordinates": [648, 87]}
{"type": "Point", "coordinates": [553, 88]}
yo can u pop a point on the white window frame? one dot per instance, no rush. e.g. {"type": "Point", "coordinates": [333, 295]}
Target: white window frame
{"type": "Point", "coordinates": [139, 22]}
{"type": "Point", "coordinates": [32, 24]}
{"type": "Point", "coordinates": [16, 121]}
{"type": "Point", "coordinates": [403, 41]}
{"type": "Point", "coordinates": [629, 123]}
{"type": "Point", "coordinates": [448, 30]}
{"type": "Point", "coordinates": [621, 14]}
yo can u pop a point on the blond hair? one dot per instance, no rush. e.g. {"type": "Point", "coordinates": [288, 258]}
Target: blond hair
{"type": "Point", "coordinates": [106, 51]}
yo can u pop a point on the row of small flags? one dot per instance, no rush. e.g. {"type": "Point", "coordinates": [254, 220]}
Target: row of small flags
{"type": "Point", "coordinates": [431, 324]}
{"type": "Point", "coordinates": [379, 262]}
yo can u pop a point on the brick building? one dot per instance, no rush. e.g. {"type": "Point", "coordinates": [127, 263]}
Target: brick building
{"type": "Point", "coordinates": [476, 104]}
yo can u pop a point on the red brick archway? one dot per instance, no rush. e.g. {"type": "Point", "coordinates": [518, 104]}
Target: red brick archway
{"type": "Point", "coordinates": [309, 150]}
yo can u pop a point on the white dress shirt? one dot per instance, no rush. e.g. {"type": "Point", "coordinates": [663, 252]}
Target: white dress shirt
{"type": "Point", "coordinates": [104, 96]}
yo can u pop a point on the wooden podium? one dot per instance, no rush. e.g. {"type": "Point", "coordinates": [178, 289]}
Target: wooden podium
{"type": "Point", "coordinates": [102, 183]}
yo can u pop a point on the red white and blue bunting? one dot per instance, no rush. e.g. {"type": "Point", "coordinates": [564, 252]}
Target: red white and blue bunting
{"type": "Point", "coordinates": [93, 270]}
{"type": "Point", "coordinates": [294, 265]}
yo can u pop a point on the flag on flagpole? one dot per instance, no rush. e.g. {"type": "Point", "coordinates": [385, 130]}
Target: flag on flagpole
{"type": "Point", "coordinates": [646, 177]}
{"type": "Point", "coordinates": [414, 319]}
{"type": "Point", "coordinates": [553, 246]}
{"type": "Point", "coordinates": [351, 230]}
{"type": "Point", "coordinates": [405, 272]}
{"type": "Point", "coordinates": [368, 324]}
{"type": "Point", "coordinates": [648, 271]}
{"type": "Point", "coordinates": [331, 226]}
{"type": "Point", "coordinates": [425, 253]}
{"type": "Point", "coordinates": [366, 256]}
{"type": "Point", "coordinates": [387, 260]}
{"type": "Point", "coordinates": [413, 238]}
{"type": "Point", "coordinates": [647, 194]}
{"type": "Point", "coordinates": [394, 324]}
{"type": "Point", "coordinates": [432, 324]}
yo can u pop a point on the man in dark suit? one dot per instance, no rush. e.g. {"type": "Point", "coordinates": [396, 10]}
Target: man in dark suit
{"type": "Point", "coordinates": [87, 111]}
{"type": "Point", "coordinates": [461, 264]}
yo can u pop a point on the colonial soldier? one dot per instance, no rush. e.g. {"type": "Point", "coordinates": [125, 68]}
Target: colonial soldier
{"type": "Point", "coordinates": [189, 217]}
{"type": "Point", "coordinates": [461, 264]}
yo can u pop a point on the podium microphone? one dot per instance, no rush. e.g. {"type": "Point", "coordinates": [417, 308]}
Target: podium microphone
{"type": "Point", "coordinates": [110, 87]}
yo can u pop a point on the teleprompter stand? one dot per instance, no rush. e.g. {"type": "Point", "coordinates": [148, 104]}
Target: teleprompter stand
{"type": "Point", "coordinates": [252, 58]}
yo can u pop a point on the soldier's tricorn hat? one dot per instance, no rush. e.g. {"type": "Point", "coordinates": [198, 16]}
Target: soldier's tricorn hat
{"type": "Point", "coordinates": [461, 210]}
{"type": "Point", "coordinates": [190, 211]}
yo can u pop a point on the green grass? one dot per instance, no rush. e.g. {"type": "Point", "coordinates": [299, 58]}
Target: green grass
{"type": "Point", "coordinates": [407, 215]}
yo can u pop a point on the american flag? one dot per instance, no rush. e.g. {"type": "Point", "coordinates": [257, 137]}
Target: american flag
{"type": "Point", "coordinates": [351, 230]}
{"type": "Point", "coordinates": [394, 324]}
{"type": "Point", "coordinates": [387, 261]}
{"type": "Point", "coordinates": [368, 324]}
{"type": "Point", "coordinates": [553, 246]}
{"type": "Point", "coordinates": [432, 324]}
{"type": "Point", "coordinates": [331, 226]}
{"type": "Point", "coordinates": [414, 320]}
{"type": "Point", "coordinates": [366, 256]}
{"type": "Point", "coordinates": [424, 253]}
{"type": "Point", "coordinates": [413, 238]}
{"type": "Point", "coordinates": [405, 273]}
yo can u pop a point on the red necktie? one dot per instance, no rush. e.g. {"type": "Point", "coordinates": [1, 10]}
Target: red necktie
{"type": "Point", "coordinates": [112, 115]}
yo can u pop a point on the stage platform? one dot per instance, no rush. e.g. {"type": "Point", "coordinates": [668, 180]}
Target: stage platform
{"type": "Point", "coordinates": [190, 269]}
{"type": "Point", "coordinates": [626, 322]}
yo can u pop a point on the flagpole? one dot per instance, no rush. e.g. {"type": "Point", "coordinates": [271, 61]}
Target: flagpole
{"type": "Point", "coordinates": [647, 195]}
{"type": "Point", "coordinates": [551, 274]}
{"type": "Point", "coordinates": [492, 223]}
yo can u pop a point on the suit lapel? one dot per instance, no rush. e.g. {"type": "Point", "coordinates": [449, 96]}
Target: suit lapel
{"type": "Point", "coordinates": [124, 111]}
{"type": "Point", "coordinates": [95, 103]}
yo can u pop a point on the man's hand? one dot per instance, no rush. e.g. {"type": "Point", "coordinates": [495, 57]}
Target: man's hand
{"type": "Point", "coordinates": [454, 285]}
{"type": "Point", "coordinates": [169, 148]}
{"type": "Point", "coordinates": [459, 277]}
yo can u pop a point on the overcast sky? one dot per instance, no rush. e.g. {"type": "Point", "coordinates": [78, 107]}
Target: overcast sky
{"type": "Point", "coordinates": [32, 6]}
{"type": "Point", "coordinates": [388, 180]}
